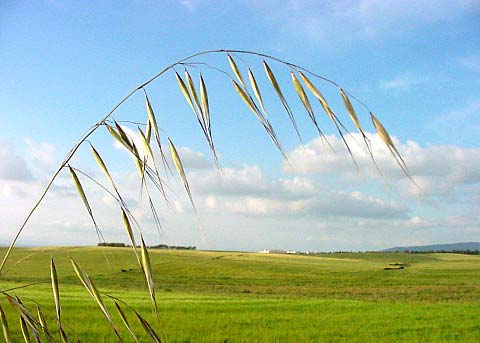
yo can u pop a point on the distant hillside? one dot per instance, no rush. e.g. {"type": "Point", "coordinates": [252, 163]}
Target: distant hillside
{"type": "Point", "coordinates": [438, 247]}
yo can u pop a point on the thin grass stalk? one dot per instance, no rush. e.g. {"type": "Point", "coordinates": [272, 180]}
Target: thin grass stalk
{"type": "Point", "coordinates": [102, 121]}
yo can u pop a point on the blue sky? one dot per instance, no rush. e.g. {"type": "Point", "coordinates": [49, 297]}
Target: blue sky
{"type": "Point", "coordinates": [417, 65]}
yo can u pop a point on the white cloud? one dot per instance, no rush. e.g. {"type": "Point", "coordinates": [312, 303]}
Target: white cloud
{"type": "Point", "coordinates": [244, 208]}
{"type": "Point", "coordinates": [348, 20]}
{"type": "Point", "coordinates": [190, 5]}
{"type": "Point", "coordinates": [405, 82]}
{"type": "Point", "coordinates": [13, 166]}
{"type": "Point", "coordinates": [440, 171]}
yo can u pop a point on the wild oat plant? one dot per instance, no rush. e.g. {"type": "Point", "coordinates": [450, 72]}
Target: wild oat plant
{"type": "Point", "coordinates": [153, 166]}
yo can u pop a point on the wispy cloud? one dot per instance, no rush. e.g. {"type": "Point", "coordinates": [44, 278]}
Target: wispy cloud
{"type": "Point", "coordinates": [349, 20]}
{"type": "Point", "coordinates": [405, 82]}
{"type": "Point", "coordinates": [190, 5]}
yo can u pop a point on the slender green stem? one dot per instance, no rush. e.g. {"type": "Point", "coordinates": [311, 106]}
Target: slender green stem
{"type": "Point", "coordinates": [93, 128]}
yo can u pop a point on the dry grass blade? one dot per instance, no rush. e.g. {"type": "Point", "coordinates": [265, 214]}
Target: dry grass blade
{"type": "Point", "coordinates": [125, 321]}
{"type": "Point", "coordinates": [147, 270]}
{"type": "Point", "coordinates": [26, 335]}
{"type": "Point", "coordinates": [276, 86]}
{"type": "Point", "coordinates": [148, 329]}
{"type": "Point", "coordinates": [92, 289]}
{"type": "Point", "coordinates": [6, 331]}
{"type": "Point", "coordinates": [235, 70]}
{"type": "Point", "coordinates": [81, 192]}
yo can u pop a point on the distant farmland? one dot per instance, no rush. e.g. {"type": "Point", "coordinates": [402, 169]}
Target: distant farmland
{"type": "Point", "coordinates": [245, 297]}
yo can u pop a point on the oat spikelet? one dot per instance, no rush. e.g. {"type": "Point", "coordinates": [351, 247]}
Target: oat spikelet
{"type": "Point", "coordinates": [6, 331]}
{"type": "Point", "coordinates": [147, 270]}
{"type": "Point", "coordinates": [235, 70]}
{"type": "Point", "coordinates": [43, 323]}
{"type": "Point", "coordinates": [265, 122]}
{"type": "Point", "coordinates": [56, 292]}
{"type": "Point", "coordinates": [256, 91]}
{"type": "Point", "coordinates": [148, 329]}
{"type": "Point", "coordinates": [276, 86]}
{"type": "Point", "coordinates": [131, 237]}
{"type": "Point", "coordinates": [23, 325]}
{"type": "Point", "coordinates": [184, 91]}
{"type": "Point", "coordinates": [181, 172]}
{"type": "Point", "coordinates": [81, 192]}
{"type": "Point", "coordinates": [351, 110]}
{"type": "Point", "coordinates": [92, 289]}
{"type": "Point", "coordinates": [154, 127]}
{"type": "Point", "coordinates": [387, 140]}
{"type": "Point", "coordinates": [125, 321]}
{"type": "Point", "coordinates": [306, 102]}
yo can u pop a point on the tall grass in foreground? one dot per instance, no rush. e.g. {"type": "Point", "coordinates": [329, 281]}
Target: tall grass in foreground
{"type": "Point", "coordinates": [153, 167]}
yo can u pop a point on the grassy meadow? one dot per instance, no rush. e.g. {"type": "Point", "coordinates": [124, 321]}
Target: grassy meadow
{"type": "Point", "coordinates": [247, 297]}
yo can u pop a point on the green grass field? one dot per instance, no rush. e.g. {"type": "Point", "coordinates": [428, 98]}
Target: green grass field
{"type": "Point", "coordinates": [244, 297]}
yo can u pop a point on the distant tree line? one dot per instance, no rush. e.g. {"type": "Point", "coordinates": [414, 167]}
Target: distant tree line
{"type": "Point", "coordinates": [466, 252]}
{"type": "Point", "coordinates": [111, 244]}
{"type": "Point", "coordinates": [158, 246]}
